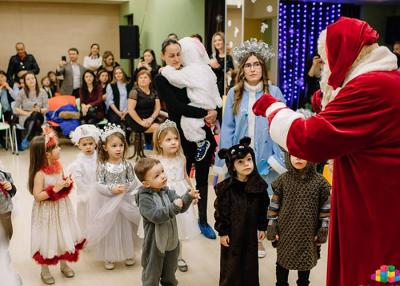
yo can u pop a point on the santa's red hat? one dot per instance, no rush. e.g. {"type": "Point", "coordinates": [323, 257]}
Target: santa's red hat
{"type": "Point", "coordinates": [344, 41]}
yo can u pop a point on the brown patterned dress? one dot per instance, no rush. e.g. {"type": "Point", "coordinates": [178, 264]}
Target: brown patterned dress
{"type": "Point", "coordinates": [299, 203]}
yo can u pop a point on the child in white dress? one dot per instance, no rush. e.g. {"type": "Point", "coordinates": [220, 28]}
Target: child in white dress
{"type": "Point", "coordinates": [111, 229]}
{"type": "Point", "coordinates": [168, 150]}
{"type": "Point", "coordinates": [83, 169]}
{"type": "Point", "coordinates": [56, 236]}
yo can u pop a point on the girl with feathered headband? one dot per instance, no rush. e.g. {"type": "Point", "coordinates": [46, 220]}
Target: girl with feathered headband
{"type": "Point", "coordinates": [56, 236]}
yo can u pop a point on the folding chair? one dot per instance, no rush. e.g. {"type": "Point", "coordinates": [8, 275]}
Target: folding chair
{"type": "Point", "coordinates": [7, 128]}
{"type": "Point", "coordinates": [15, 127]}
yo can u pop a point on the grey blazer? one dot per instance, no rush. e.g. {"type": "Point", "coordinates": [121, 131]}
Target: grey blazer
{"type": "Point", "coordinates": [67, 84]}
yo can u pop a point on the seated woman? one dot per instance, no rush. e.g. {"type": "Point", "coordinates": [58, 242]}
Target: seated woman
{"type": "Point", "coordinates": [103, 80]}
{"type": "Point", "coordinates": [91, 95]}
{"type": "Point", "coordinates": [30, 106]}
{"type": "Point", "coordinates": [143, 104]}
{"type": "Point", "coordinates": [7, 95]}
{"type": "Point", "coordinates": [46, 85]}
{"type": "Point", "coordinates": [117, 97]}
{"type": "Point", "coordinates": [54, 82]}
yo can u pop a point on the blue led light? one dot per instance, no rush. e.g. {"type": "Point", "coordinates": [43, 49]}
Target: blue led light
{"type": "Point", "coordinates": [299, 28]}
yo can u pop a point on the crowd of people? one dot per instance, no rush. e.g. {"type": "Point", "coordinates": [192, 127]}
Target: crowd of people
{"type": "Point", "coordinates": [270, 187]}
{"type": "Point", "coordinates": [104, 90]}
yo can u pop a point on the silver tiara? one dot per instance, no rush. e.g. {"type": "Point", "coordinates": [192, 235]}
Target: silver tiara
{"type": "Point", "coordinates": [253, 46]}
{"type": "Point", "coordinates": [110, 129]}
{"type": "Point", "coordinates": [166, 124]}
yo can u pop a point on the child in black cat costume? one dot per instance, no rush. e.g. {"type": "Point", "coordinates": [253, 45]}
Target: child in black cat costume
{"type": "Point", "coordinates": [240, 212]}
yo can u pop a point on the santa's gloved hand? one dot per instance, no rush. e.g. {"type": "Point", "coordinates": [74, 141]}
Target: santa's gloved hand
{"type": "Point", "coordinates": [272, 230]}
{"type": "Point", "coordinates": [262, 104]}
{"type": "Point", "coordinates": [322, 235]}
{"type": "Point", "coordinates": [316, 101]}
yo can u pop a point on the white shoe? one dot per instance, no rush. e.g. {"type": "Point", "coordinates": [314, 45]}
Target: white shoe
{"type": "Point", "coordinates": [109, 265]}
{"type": "Point", "coordinates": [130, 262]}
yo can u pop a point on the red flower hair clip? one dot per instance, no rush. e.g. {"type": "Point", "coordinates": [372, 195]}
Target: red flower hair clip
{"type": "Point", "coordinates": [50, 136]}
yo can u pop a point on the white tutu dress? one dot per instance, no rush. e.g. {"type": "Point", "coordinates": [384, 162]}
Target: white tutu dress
{"type": "Point", "coordinates": [83, 171]}
{"type": "Point", "coordinates": [55, 231]}
{"type": "Point", "coordinates": [111, 230]}
{"type": "Point", "coordinates": [187, 222]}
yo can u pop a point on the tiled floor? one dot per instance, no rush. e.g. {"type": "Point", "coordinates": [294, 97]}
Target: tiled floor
{"type": "Point", "coordinates": [201, 254]}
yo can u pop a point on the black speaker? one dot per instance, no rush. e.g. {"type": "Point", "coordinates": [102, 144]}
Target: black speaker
{"type": "Point", "coordinates": [392, 30]}
{"type": "Point", "coordinates": [129, 42]}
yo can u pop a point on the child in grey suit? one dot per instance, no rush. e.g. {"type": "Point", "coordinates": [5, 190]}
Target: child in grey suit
{"type": "Point", "coordinates": [158, 206]}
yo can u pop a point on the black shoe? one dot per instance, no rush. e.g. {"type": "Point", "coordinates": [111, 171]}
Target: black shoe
{"type": "Point", "coordinates": [202, 148]}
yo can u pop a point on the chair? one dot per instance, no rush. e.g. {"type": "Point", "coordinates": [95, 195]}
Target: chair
{"type": "Point", "coordinates": [138, 143]}
{"type": "Point", "coordinates": [7, 128]}
{"type": "Point", "coordinates": [15, 127]}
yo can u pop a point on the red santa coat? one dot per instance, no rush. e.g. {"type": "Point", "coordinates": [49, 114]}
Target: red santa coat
{"type": "Point", "coordinates": [360, 129]}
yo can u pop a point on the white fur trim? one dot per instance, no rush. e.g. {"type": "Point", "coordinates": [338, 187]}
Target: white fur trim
{"type": "Point", "coordinates": [192, 128]}
{"type": "Point", "coordinates": [322, 45]}
{"type": "Point", "coordinates": [276, 165]}
{"type": "Point", "coordinates": [273, 107]}
{"type": "Point", "coordinates": [251, 118]}
{"type": "Point", "coordinates": [379, 59]}
{"type": "Point", "coordinates": [279, 127]}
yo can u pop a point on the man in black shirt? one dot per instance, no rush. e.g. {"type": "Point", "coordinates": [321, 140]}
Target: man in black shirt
{"type": "Point", "coordinates": [20, 64]}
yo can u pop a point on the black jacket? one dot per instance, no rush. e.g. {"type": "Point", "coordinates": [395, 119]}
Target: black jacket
{"type": "Point", "coordinates": [16, 65]}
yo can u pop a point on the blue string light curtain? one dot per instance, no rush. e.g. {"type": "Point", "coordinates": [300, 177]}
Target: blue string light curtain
{"type": "Point", "coordinates": [300, 24]}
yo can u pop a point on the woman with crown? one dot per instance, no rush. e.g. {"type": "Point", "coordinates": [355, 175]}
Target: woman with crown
{"type": "Point", "coordinates": [239, 121]}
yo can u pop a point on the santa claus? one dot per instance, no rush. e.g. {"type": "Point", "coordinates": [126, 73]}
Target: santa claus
{"type": "Point", "coordinates": [358, 127]}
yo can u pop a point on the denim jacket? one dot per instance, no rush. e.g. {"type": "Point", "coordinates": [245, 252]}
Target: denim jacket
{"type": "Point", "coordinates": [235, 126]}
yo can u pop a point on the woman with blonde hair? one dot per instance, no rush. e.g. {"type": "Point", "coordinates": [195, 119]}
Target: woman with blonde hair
{"type": "Point", "coordinates": [117, 97]}
{"type": "Point", "coordinates": [239, 120]}
{"type": "Point", "coordinates": [218, 59]}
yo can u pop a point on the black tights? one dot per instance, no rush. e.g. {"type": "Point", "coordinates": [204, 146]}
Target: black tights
{"type": "Point", "coordinates": [282, 275]}
{"type": "Point", "coordinates": [33, 125]}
